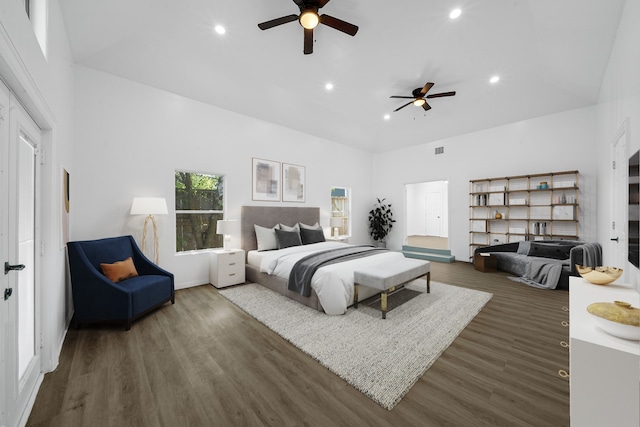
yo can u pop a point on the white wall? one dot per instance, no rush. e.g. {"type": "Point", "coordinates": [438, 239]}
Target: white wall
{"type": "Point", "coordinates": [559, 142]}
{"type": "Point", "coordinates": [131, 138]}
{"type": "Point", "coordinates": [619, 99]}
{"type": "Point", "coordinates": [45, 87]}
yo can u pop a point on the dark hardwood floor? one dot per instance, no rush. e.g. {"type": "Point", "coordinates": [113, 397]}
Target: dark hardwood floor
{"type": "Point", "coordinates": [204, 362]}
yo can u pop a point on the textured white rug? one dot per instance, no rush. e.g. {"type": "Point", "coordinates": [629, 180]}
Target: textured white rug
{"type": "Point", "coordinates": [381, 358]}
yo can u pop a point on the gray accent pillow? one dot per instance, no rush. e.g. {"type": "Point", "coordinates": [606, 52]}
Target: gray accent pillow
{"type": "Point", "coordinates": [309, 227]}
{"type": "Point", "coordinates": [266, 238]}
{"type": "Point", "coordinates": [286, 239]}
{"type": "Point", "coordinates": [311, 236]}
{"type": "Point", "coordinates": [523, 247]}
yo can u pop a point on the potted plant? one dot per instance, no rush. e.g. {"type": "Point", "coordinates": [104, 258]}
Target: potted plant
{"type": "Point", "coordinates": [380, 221]}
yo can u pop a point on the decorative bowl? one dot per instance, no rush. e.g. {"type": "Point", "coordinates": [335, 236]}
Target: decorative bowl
{"type": "Point", "coordinates": [602, 275]}
{"type": "Point", "coordinates": [617, 318]}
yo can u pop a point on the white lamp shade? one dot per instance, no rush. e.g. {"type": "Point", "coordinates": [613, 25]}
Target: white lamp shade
{"type": "Point", "coordinates": [335, 222]}
{"type": "Point", "coordinates": [225, 226]}
{"type": "Point", "coordinates": [149, 206]}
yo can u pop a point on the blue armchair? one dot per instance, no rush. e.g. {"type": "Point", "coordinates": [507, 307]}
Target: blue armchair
{"type": "Point", "coordinates": [97, 299]}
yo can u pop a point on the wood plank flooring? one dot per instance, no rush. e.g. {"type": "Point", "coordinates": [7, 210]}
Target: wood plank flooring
{"type": "Point", "coordinates": [204, 362]}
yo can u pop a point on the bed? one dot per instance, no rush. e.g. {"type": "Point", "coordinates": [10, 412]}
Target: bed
{"type": "Point", "coordinates": [331, 285]}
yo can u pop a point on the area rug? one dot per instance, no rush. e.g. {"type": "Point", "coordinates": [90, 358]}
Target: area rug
{"type": "Point", "coordinates": [381, 358]}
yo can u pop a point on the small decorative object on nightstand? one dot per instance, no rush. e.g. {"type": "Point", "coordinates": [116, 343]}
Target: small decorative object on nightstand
{"type": "Point", "coordinates": [335, 223]}
{"type": "Point", "coordinates": [226, 267]}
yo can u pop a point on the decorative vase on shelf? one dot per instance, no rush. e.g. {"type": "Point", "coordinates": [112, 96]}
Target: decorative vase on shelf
{"type": "Point", "coordinates": [498, 215]}
{"type": "Point", "coordinates": [564, 198]}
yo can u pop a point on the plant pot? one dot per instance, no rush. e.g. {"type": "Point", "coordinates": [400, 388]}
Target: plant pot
{"type": "Point", "coordinates": [380, 244]}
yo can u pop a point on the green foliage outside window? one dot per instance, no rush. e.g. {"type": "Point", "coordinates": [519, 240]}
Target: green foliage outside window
{"type": "Point", "coordinates": [199, 205]}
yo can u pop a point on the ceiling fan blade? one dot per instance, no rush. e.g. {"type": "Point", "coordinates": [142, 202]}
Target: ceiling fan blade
{"type": "Point", "coordinates": [400, 108]}
{"type": "Point", "coordinates": [440, 95]}
{"type": "Point", "coordinates": [426, 106]}
{"type": "Point", "coordinates": [300, 3]}
{"type": "Point", "coordinates": [278, 21]}
{"type": "Point", "coordinates": [402, 97]}
{"type": "Point", "coordinates": [426, 88]}
{"type": "Point", "coordinates": [339, 24]}
{"type": "Point", "coordinates": [321, 3]}
{"type": "Point", "coordinates": [308, 41]}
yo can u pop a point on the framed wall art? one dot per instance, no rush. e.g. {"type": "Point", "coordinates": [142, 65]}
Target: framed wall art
{"type": "Point", "coordinates": [293, 185]}
{"type": "Point", "coordinates": [266, 180]}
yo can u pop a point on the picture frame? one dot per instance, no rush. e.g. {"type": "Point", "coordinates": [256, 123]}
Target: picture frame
{"type": "Point", "coordinates": [293, 183]}
{"type": "Point", "coordinates": [266, 180]}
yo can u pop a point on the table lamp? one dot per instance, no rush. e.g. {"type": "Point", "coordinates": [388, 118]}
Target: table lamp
{"type": "Point", "coordinates": [335, 223]}
{"type": "Point", "coordinates": [149, 206]}
{"type": "Point", "coordinates": [225, 227]}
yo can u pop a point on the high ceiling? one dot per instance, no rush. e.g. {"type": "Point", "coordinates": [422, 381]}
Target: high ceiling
{"type": "Point", "coordinates": [550, 55]}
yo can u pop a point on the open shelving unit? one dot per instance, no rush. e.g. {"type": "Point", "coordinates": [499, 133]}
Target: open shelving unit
{"type": "Point", "coordinates": [541, 206]}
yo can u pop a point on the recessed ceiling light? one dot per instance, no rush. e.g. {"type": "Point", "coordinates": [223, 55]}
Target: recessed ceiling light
{"type": "Point", "coordinates": [494, 79]}
{"type": "Point", "coordinates": [328, 86]}
{"type": "Point", "coordinates": [455, 13]}
{"type": "Point", "coordinates": [387, 116]}
{"type": "Point", "coordinates": [220, 29]}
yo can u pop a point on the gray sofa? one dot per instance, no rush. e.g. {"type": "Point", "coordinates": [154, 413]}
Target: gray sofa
{"type": "Point", "coordinates": [515, 257]}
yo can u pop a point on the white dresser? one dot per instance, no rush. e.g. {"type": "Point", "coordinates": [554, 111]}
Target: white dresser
{"type": "Point", "coordinates": [226, 268]}
{"type": "Point", "coordinates": [604, 370]}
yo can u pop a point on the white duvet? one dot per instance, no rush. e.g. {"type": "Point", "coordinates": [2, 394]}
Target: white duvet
{"type": "Point", "coordinates": [333, 283]}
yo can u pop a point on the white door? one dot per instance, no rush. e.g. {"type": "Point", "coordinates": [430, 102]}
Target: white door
{"type": "Point", "coordinates": [20, 351]}
{"type": "Point", "coordinates": [434, 214]}
{"type": "Point", "coordinates": [620, 193]}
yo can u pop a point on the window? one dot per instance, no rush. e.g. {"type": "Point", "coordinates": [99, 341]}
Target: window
{"type": "Point", "coordinates": [341, 208]}
{"type": "Point", "coordinates": [199, 205]}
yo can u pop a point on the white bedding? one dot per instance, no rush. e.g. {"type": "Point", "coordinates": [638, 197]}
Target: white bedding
{"type": "Point", "coordinates": [333, 283]}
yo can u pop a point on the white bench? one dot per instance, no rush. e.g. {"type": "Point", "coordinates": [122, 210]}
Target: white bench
{"type": "Point", "coordinates": [389, 277]}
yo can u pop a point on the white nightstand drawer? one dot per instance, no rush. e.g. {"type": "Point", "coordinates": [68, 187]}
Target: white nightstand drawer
{"type": "Point", "coordinates": [227, 268]}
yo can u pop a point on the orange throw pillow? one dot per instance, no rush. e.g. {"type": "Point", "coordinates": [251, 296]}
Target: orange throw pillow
{"type": "Point", "coordinates": [119, 271]}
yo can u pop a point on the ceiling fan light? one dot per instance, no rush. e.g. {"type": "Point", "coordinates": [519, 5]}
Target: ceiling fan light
{"type": "Point", "coordinates": [309, 19]}
{"type": "Point", "coordinates": [419, 102]}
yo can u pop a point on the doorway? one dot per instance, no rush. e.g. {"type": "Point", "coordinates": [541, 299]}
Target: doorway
{"type": "Point", "coordinates": [19, 304]}
{"type": "Point", "coordinates": [427, 207]}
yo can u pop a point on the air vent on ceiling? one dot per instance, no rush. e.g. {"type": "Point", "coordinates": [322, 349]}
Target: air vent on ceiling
{"type": "Point", "coordinates": [439, 150]}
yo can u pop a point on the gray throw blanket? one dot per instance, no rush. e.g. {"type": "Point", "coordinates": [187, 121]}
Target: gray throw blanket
{"type": "Point", "coordinates": [304, 269]}
{"type": "Point", "coordinates": [540, 274]}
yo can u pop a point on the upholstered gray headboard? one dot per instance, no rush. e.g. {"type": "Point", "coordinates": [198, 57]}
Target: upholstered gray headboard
{"type": "Point", "coordinates": [268, 216]}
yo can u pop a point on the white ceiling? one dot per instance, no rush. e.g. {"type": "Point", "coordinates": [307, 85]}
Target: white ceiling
{"type": "Point", "coordinates": [550, 54]}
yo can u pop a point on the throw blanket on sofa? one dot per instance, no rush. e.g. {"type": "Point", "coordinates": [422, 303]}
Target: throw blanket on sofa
{"type": "Point", "coordinates": [540, 274]}
{"type": "Point", "coordinates": [303, 269]}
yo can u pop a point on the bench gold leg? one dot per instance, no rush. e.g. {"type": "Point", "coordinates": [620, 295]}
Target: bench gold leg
{"type": "Point", "coordinates": [383, 304]}
{"type": "Point", "coordinates": [355, 295]}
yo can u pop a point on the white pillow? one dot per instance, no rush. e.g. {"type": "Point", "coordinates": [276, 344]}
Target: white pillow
{"type": "Point", "coordinates": [266, 237]}
{"type": "Point", "coordinates": [310, 227]}
{"type": "Point", "coordinates": [287, 228]}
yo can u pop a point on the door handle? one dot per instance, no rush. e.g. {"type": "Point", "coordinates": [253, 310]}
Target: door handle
{"type": "Point", "coordinates": [7, 293]}
{"type": "Point", "coordinates": [8, 267]}
{"type": "Point", "coordinates": [615, 240]}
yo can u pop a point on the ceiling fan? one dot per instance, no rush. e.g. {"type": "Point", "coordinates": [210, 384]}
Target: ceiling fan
{"type": "Point", "coordinates": [309, 19]}
{"type": "Point", "coordinates": [419, 98]}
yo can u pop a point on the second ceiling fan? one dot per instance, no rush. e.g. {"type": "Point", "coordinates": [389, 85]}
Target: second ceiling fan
{"type": "Point", "coordinates": [419, 99]}
{"type": "Point", "coordinates": [309, 19]}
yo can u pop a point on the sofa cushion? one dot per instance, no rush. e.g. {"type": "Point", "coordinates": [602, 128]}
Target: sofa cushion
{"type": "Point", "coordinates": [120, 270]}
{"type": "Point", "coordinates": [550, 250]}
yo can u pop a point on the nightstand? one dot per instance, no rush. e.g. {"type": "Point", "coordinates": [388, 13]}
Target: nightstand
{"type": "Point", "coordinates": [226, 268]}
